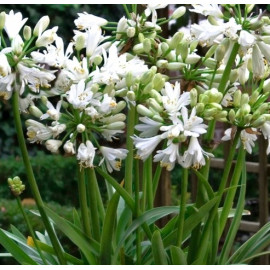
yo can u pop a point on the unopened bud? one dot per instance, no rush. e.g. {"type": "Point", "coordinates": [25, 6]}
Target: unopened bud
{"type": "Point", "coordinates": [80, 42]}
{"type": "Point", "coordinates": [176, 66]}
{"type": "Point", "coordinates": [193, 97]}
{"type": "Point", "coordinates": [141, 109]}
{"type": "Point", "coordinates": [158, 82]}
{"type": "Point", "coordinates": [16, 186]}
{"type": "Point", "coordinates": [176, 39]}
{"type": "Point", "coordinates": [121, 105]}
{"type": "Point", "coordinates": [259, 122]}
{"type": "Point", "coordinates": [147, 45]}
{"type": "Point", "coordinates": [266, 86]}
{"type": "Point", "coordinates": [193, 45]}
{"type": "Point", "coordinates": [253, 97]}
{"type": "Point", "coordinates": [158, 118]}
{"type": "Point", "coordinates": [199, 108]}
{"type": "Point", "coordinates": [131, 96]}
{"type": "Point", "coordinates": [212, 20]}
{"type": "Point", "coordinates": [165, 47]}
{"type": "Point", "coordinates": [147, 77]}
{"type": "Point", "coordinates": [44, 100]}
{"type": "Point", "coordinates": [97, 60]}
{"type": "Point", "coordinates": [245, 109]}
{"type": "Point", "coordinates": [41, 25]}
{"type": "Point", "coordinates": [231, 115]}
{"type": "Point", "coordinates": [2, 20]}
{"type": "Point", "coordinates": [179, 12]}
{"type": "Point", "coordinates": [156, 95]}
{"type": "Point", "coordinates": [210, 63]}
{"type": "Point", "coordinates": [192, 59]}
{"type": "Point", "coordinates": [138, 48]}
{"type": "Point", "coordinates": [244, 99]}
{"type": "Point", "coordinates": [215, 95]}
{"type": "Point", "coordinates": [129, 79]}
{"type": "Point", "coordinates": [116, 125]}
{"type": "Point", "coordinates": [154, 105]}
{"type": "Point", "coordinates": [184, 50]}
{"type": "Point", "coordinates": [233, 75]}
{"type": "Point", "coordinates": [249, 7]}
{"type": "Point", "coordinates": [204, 99]}
{"type": "Point", "coordinates": [35, 111]}
{"type": "Point", "coordinates": [211, 51]}
{"type": "Point", "coordinates": [162, 63]}
{"type": "Point", "coordinates": [148, 88]}
{"type": "Point", "coordinates": [120, 117]}
{"type": "Point", "coordinates": [80, 128]}
{"type": "Point", "coordinates": [141, 37]}
{"type": "Point", "coordinates": [131, 31]}
{"type": "Point", "coordinates": [220, 52]}
{"type": "Point", "coordinates": [27, 32]}
{"type": "Point", "coordinates": [237, 98]}
{"type": "Point", "coordinates": [247, 119]}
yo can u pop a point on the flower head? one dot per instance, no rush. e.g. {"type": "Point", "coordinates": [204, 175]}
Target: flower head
{"type": "Point", "coordinates": [13, 23]}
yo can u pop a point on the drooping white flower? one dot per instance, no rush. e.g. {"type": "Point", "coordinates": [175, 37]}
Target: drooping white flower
{"type": "Point", "coordinates": [265, 128]}
{"type": "Point", "coordinates": [168, 156]}
{"type": "Point", "coordinates": [193, 125]}
{"type": "Point", "coordinates": [47, 37]}
{"type": "Point", "coordinates": [86, 154]}
{"type": "Point", "coordinates": [94, 36]}
{"type": "Point", "coordinates": [13, 23]}
{"type": "Point", "coordinates": [69, 148]}
{"type": "Point", "coordinates": [107, 104]}
{"type": "Point", "coordinates": [228, 97]}
{"type": "Point", "coordinates": [145, 146]}
{"type": "Point", "coordinates": [194, 155]}
{"type": "Point", "coordinates": [86, 21]}
{"type": "Point", "coordinates": [57, 128]}
{"type": "Point", "coordinates": [37, 132]}
{"type": "Point", "coordinates": [112, 157]}
{"type": "Point", "coordinates": [121, 27]}
{"type": "Point", "coordinates": [151, 8]}
{"type": "Point", "coordinates": [53, 113]}
{"type": "Point", "coordinates": [257, 63]}
{"type": "Point", "coordinates": [246, 40]}
{"type": "Point", "coordinates": [53, 145]}
{"type": "Point", "coordinates": [207, 9]}
{"type": "Point", "coordinates": [5, 68]}
{"type": "Point", "coordinates": [149, 127]}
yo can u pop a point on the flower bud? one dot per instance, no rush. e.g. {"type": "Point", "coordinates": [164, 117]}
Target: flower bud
{"type": "Point", "coordinates": [249, 7]}
{"type": "Point", "coordinates": [2, 20]}
{"type": "Point", "coordinates": [221, 116]}
{"type": "Point", "coordinates": [53, 145]}
{"type": "Point", "coordinates": [175, 66]}
{"type": "Point", "coordinates": [116, 125]}
{"type": "Point", "coordinates": [119, 107]}
{"type": "Point", "coordinates": [184, 50]}
{"type": "Point", "coordinates": [156, 95]}
{"type": "Point", "coordinates": [220, 52]}
{"type": "Point", "coordinates": [193, 45]}
{"type": "Point", "coordinates": [131, 96]}
{"type": "Point", "coordinates": [204, 99]}
{"type": "Point", "coordinates": [245, 109]}
{"type": "Point", "coordinates": [141, 37]}
{"type": "Point", "coordinates": [158, 118]}
{"type": "Point", "coordinates": [44, 100]}
{"type": "Point", "coordinates": [154, 105]}
{"type": "Point", "coordinates": [80, 42]}
{"type": "Point", "coordinates": [199, 108]}
{"type": "Point", "coordinates": [231, 115]}
{"type": "Point", "coordinates": [244, 99]}
{"type": "Point", "coordinates": [121, 92]}
{"type": "Point", "coordinates": [16, 186]}
{"type": "Point", "coordinates": [129, 79]}
{"type": "Point", "coordinates": [47, 37]}
{"type": "Point", "coordinates": [147, 77]}
{"type": "Point", "coordinates": [259, 122]}
{"type": "Point", "coordinates": [247, 119]}
{"type": "Point", "coordinates": [176, 39]}
{"type": "Point", "coordinates": [212, 20]}
{"type": "Point", "coordinates": [141, 109]}
{"type": "Point", "coordinates": [69, 148]}
{"type": "Point", "coordinates": [209, 114]}
{"type": "Point", "coordinates": [266, 86]}
{"type": "Point", "coordinates": [97, 60]}
{"type": "Point", "coordinates": [35, 111]}
{"type": "Point", "coordinates": [27, 32]}
{"type": "Point", "coordinates": [179, 12]}
{"type": "Point", "coordinates": [193, 97]}
{"type": "Point", "coordinates": [147, 45]}
{"type": "Point", "coordinates": [192, 59]}
{"type": "Point", "coordinates": [254, 97]}
{"type": "Point", "coordinates": [211, 51]}
{"type": "Point", "coordinates": [158, 82]}
{"type": "Point", "coordinates": [215, 95]}
{"type": "Point", "coordinates": [131, 31]}
{"type": "Point", "coordinates": [237, 98]}
{"type": "Point", "coordinates": [80, 128]}
{"type": "Point", "coordinates": [233, 75]}
{"type": "Point", "coordinates": [138, 48]}
{"type": "Point", "coordinates": [165, 47]}
{"type": "Point", "coordinates": [41, 25]}
{"type": "Point", "coordinates": [162, 63]}
{"type": "Point", "coordinates": [210, 63]}
{"type": "Point", "coordinates": [148, 88]}
{"type": "Point", "coordinates": [120, 117]}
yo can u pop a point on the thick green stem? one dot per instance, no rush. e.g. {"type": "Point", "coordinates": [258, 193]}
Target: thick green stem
{"type": "Point", "coordinates": [182, 209]}
{"type": "Point", "coordinates": [129, 144]}
{"type": "Point", "coordinates": [31, 230]}
{"type": "Point", "coordinates": [149, 182]}
{"type": "Point", "coordinates": [32, 181]}
{"type": "Point", "coordinates": [91, 178]}
{"type": "Point", "coordinates": [83, 202]}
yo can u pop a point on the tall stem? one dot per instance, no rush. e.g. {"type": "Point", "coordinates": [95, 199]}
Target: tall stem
{"type": "Point", "coordinates": [182, 209]}
{"type": "Point", "coordinates": [83, 202]}
{"type": "Point", "coordinates": [91, 178]}
{"type": "Point", "coordinates": [149, 182]}
{"type": "Point", "coordinates": [32, 181]}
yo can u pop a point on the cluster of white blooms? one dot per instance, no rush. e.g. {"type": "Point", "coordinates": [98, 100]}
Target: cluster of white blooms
{"type": "Point", "coordinates": [97, 78]}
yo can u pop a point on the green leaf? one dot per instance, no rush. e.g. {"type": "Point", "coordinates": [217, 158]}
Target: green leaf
{"type": "Point", "coordinates": [15, 250]}
{"type": "Point", "coordinates": [107, 231]}
{"type": "Point", "coordinates": [88, 246]}
{"type": "Point", "coordinates": [178, 256]}
{"type": "Point", "coordinates": [159, 253]}
{"type": "Point", "coordinates": [76, 219]}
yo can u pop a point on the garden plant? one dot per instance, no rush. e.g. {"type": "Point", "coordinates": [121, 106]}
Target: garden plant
{"type": "Point", "coordinates": [113, 81]}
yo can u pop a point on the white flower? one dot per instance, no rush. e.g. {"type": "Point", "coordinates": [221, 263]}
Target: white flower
{"type": "Point", "coordinates": [86, 21]}
{"type": "Point", "coordinates": [6, 84]}
{"type": "Point", "coordinates": [53, 113]}
{"type": "Point", "coordinates": [13, 23]}
{"type": "Point", "coordinates": [194, 155]}
{"type": "Point", "coordinates": [193, 126]}
{"type": "Point", "coordinates": [57, 128]}
{"type": "Point", "coordinates": [53, 145]}
{"type": "Point", "coordinates": [257, 63]}
{"type": "Point", "coordinates": [207, 9]}
{"type": "Point", "coordinates": [121, 27]}
{"type": "Point", "coordinates": [265, 128]}
{"type": "Point", "coordinates": [168, 156]}
{"type": "Point", "coordinates": [246, 39]}
{"type": "Point", "coordinates": [151, 8]}
{"type": "Point", "coordinates": [149, 127]}
{"type": "Point", "coordinates": [69, 148]}
{"type": "Point", "coordinates": [37, 132]}
{"type": "Point", "coordinates": [172, 100]}
{"type": "Point", "coordinates": [108, 134]}
{"type": "Point", "coordinates": [112, 157]}
{"type": "Point", "coordinates": [107, 104]}
{"type": "Point", "coordinates": [77, 70]}
{"type": "Point", "coordinates": [228, 98]}
{"type": "Point", "coordinates": [94, 36]}
{"type": "Point", "coordinates": [47, 37]}
{"type": "Point", "coordinates": [86, 154]}
{"type": "Point", "coordinates": [5, 68]}
{"type": "Point", "coordinates": [145, 146]}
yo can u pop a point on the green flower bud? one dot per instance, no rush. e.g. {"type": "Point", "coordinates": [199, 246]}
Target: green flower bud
{"type": "Point", "coordinates": [175, 66]}
{"type": "Point", "coordinates": [27, 32]}
{"type": "Point", "coordinates": [97, 60]}
{"type": "Point", "coordinates": [158, 82]}
{"type": "Point", "coordinates": [245, 109]}
{"type": "Point", "coordinates": [199, 108]}
{"type": "Point", "coordinates": [148, 88]}
{"type": "Point", "coordinates": [147, 77]}
{"type": "Point", "coordinates": [179, 12]}
{"type": "Point", "coordinates": [259, 122]}
{"type": "Point", "coordinates": [192, 59]}
{"type": "Point", "coordinates": [41, 25]}
{"type": "Point", "coordinates": [116, 125]}
{"type": "Point", "coordinates": [129, 79]}
{"type": "Point", "coordinates": [120, 117]}
{"type": "Point", "coordinates": [94, 88]}
{"type": "Point", "coordinates": [138, 48]}
{"type": "Point", "coordinates": [219, 53]}
{"type": "Point", "coordinates": [156, 95]}
{"type": "Point", "coordinates": [35, 111]}
{"type": "Point", "coordinates": [2, 20]}
{"type": "Point", "coordinates": [158, 118]}
{"type": "Point", "coordinates": [210, 63]}
{"type": "Point", "coordinates": [204, 99]}
{"type": "Point", "coordinates": [16, 186]}
{"type": "Point", "coordinates": [162, 63]}
{"type": "Point", "coordinates": [265, 39]}
{"type": "Point", "coordinates": [184, 50]}
{"type": "Point", "coordinates": [193, 97]}
{"type": "Point", "coordinates": [233, 75]}
{"type": "Point", "coordinates": [212, 20]}
{"type": "Point", "coordinates": [215, 95]}
{"type": "Point", "coordinates": [141, 109]}
{"type": "Point", "coordinates": [266, 86]}
{"type": "Point", "coordinates": [193, 45]}
{"type": "Point", "coordinates": [176, 39]}
{"type": "Point", "coordinates": [211, 51]}
{"type": "Point", "coordinates": [247, 119]}
{"type": "Point", "coordinates": [147, 45]}
{"type": "Point", "coordinates": [121, 92]}
{"type": "Point", "coordinates": [119, 107]}
{"type": "Point", "coordinates": [244, 99]}
{"type": "Point", "coordinates": [253, 97]}
{"type": "Point", "coordinates": [131, 96]}
{"type": "Point", "coordinates": [209, 114]}
{"type": "Point", "coordinates": [231, 115]}
{"type": "Point", "coordinates": [154, 105]}
{"type": "Point", "coordinates": [131, 31]}
{"type": "Point", "coordinates": [215, 105]}
{"type": "Point", "coordinates": [44, 100]}
{"type": "Point", "coordinates": [141, 37]}
{"type": "Point", "coordinates": [237, 98]}
{"type": "Point", "coordinates": [221, 116]}
{"type": "Point", "coordinates": [249, 7]}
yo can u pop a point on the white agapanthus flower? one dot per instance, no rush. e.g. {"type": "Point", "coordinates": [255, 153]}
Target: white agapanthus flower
{"type": "Point", "coordinates": [77, 70]}
{"type": "Point", "coordinates": [168, 156]}
{"type": "Point", "coordinates": [5, 68]}
{"type": "Point", "coordinates": [69, 148]}
{"type": "Point", "coordinates": [246, 40]}
{"type": "Point", "coordinates": [86, 21]}
{"type": "Point", "coordinates": [151, 9]}
{"type": "Point", "coordinates": [113, 157]}
{"type": "Point", "coordinates": [47, 37]}
{"type": "Point", "coordinates": [207, 10]}
{"type": "Point", "coordinates": [148, 127]}
{"type": "Point", "coordinates": [194, 155]}
{"type": "Point", "coordinates": [57, 128]}
{"type": "Point", "coordinates": [94, 37]}
{"type": "Point", "coordinates": [37, 132]}
{"type": "Point", "coordinates": [86, 154]}
{"type": "Point", "coordinates": [53, 145]}
{"type": "Point", "coordinates": [13, 23]}
{"type": "Point", "coordinates": [52, 112]}
{"type": "Point", "coordinates": [265, 128]}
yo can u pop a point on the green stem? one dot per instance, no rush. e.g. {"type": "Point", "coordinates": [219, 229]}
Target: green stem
{"type": "Point", "coordinates": [182, 209]}
{"type": "Point", "coordinates": [30, 228]}
{"type": "Point", "coordinates": [127, 11]}
{"type": "Point", "coordinates": [156, 179]}
{"type": "Point", "coordinates": [31, 179]}
{"type": "Point", "coordinates": [149, 182]}
{"type": "Point", "coordinates": [129, 143]}
{"type": "Point", "coordinates": [83, 202]}
{"type": "Point", "coordinates": [91, 178]}
{"type": "Point", "coordinates": [231, 193]}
